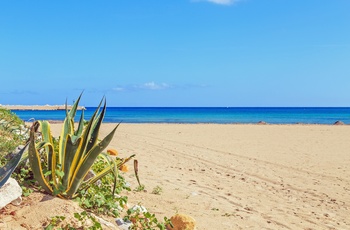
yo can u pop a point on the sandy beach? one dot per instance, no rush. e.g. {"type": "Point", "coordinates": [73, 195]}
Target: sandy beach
{"type": "Point", "coordinates": [226, 176]}
{"type": "Point", "coordinates": [241, 176]}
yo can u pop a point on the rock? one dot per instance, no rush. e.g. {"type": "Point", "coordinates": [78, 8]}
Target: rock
{"type": "Point", "coordinates": [91, 174]}
{"type": "Point", "coordinates": [11, 192]}
{"type": "Point", "coordinates": [338, 123]}
{"type": "Point", "coordinates": [139, 208]}
{"type": "Point", "coordinates": [123, 225]}
{"type": "Point", "coordinates": [17, 201]}
{"type": "Point", "coordinates": [138, 211]}
{"type": "Point", "coordinates": [105, 222]}
{"type": "Point", "coordinates": [182, 222]}
{"type": "Point", "coordinates": [262, 123]}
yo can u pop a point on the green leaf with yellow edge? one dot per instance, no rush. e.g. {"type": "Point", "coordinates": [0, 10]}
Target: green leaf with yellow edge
{"type": "Point", "coordinates": [87, 161]}
{"type": "Point", "coordinates": [71, 159]}
{"type": "Point", "coordinates": [35, 163]}
{"type": "Point", "coordinates": [93, 137]}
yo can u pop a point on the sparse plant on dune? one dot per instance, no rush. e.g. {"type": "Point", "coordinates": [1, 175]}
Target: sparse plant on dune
{"type": "Point", "coordinates": [157, 190]}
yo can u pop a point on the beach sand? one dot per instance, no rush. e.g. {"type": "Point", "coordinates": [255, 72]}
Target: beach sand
{"type": "Point", "coordinates": [240, 176]}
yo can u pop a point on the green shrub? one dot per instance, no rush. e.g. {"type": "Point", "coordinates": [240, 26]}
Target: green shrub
{"type": "Point", "coordinates": [13, 133]}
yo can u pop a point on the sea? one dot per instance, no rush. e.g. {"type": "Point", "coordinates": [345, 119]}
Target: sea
{"type": "Point", "coordinates": [192, 115]}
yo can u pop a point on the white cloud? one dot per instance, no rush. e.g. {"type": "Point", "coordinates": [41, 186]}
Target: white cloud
{"type": "Point", "coordinates": [145, 86]}
{"type": "Point", "coordinates": [118, 89]}
{"type": "Point", "coordinates": [154, 86]}
{"type": "Point", "coordinates": [220, 2]}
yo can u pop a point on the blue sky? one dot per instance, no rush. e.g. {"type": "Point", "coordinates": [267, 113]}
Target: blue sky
{"type": "Point", "coordinates": [176, 52]}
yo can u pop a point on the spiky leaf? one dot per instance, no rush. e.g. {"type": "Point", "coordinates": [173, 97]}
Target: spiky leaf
{"type": "Point", "coordinates": [7, 170]}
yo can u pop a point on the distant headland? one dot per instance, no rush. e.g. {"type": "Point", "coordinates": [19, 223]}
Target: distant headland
{"type": "Point", "coordinates": [39, 107]}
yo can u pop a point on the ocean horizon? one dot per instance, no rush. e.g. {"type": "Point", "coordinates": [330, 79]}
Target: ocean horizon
{"type": "Point", "coordinates": [217, 115]}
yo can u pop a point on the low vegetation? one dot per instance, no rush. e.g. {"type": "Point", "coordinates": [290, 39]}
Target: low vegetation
{"type": "Point", "coordinates": [13, 133]}
{"type": "Point", "coordinates": [61, 167]}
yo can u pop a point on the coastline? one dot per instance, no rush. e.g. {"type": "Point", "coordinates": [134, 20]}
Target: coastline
{"type": "Point", "coordinates": [195, 115]}
{"type": "Point", "coordinates": [39, 107]}
{"type": "Point", "coordinates": [51, 121]}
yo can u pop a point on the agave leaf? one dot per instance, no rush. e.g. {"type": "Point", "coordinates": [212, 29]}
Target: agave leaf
{"type": "Point", "coordinates": [79, 131]}
{"type": "Point", "coordinates": [67, 129]}
{"type": "Point", "coordinates": [74, 108]}
{"type": "Point", "coordinates": [46, 135]}
{"type": "Point", "coordinates": [45, 130]}
{"type": "Point", "coordinates": [96, 128]}
{"type": "Point", "coordinates": [35, 163]}
{"type": "Point", "coordinates": [7, 170]}
{"type": "Point", "coordinates": [84, 139]}
{"type": "Point", "coordinates": [87, 132]}
{"type": "Point", "coordinates": [86, 162]}
{"type": "Point", "coordinates": [98, 176]}
{"type": "Point", "coordinates": [70, 160]}
{"type": "Point", "coordinates": [114, 169]}
{"type": "Point", "coordinates": [48, 153]}
{"type": "Point", "coordinates": [66, 108]}
{"type": "Point", "coordinates": [52, 165]}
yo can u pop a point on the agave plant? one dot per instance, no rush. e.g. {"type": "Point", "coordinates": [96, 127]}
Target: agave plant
{"type": "Point", "coordinates": [61, 171]}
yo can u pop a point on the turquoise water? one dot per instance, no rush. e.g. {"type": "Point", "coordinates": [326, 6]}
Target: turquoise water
{"type": "Point", "coordinates": [220, 115]}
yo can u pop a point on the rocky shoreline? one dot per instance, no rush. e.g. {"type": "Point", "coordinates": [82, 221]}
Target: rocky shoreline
{"type": "Point", "coordinates": [39, 107]}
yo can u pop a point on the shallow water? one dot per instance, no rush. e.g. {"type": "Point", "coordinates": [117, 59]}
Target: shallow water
{"type": "Point", "coordinates": [220, 115]}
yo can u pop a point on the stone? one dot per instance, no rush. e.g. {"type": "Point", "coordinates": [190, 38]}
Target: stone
{"type": "Point", "coordinates": [139, 208]}
{"type": "Point", "coordinates": [182, 222]}
{"type": "Point", "coordinates": [11, 192]}
{"type": "Point", "coordinates": [105, 222]}
{"type": "Point", "coordinates": [339, 123]}
{"type": "Point", "coordinates": [123, 225]}
{"type": "Point", "coordinates": [91, 174]}
{"type": "Point", "coordinates": [139, 211]}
